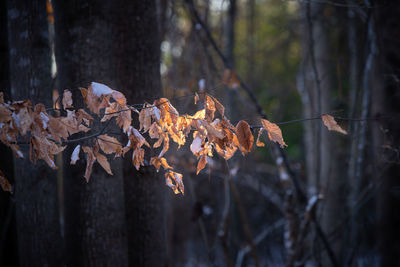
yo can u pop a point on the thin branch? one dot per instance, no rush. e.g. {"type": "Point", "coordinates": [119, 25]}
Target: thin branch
{"type": "Point", "coordinates": [257, 240]}
{"type": "Point", "coordinates": [243, 218]}
{"type": "Point", "coordinates": [223, 228]}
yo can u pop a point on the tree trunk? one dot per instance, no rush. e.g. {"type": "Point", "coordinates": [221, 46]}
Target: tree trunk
{"type": "Point", "coordinates": [95, 229]}
{"type": "Point", "coordinates": [8, 233]}
{"type": "Point", "coordinates": [385, 103]}
{"type": "Point", "coordinates": [137, 72]}
{"type": "Point", "coordinates": [35, 185]}
{"type": "Point", "coordinates": [317, 90]}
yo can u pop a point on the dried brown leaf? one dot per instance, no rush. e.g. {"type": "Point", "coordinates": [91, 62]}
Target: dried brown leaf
{"type": "Point", "coordinates": [145, 118]}
{"type": "Point", "coordinates": [124, 119]}
{"type": "Point", "coordinates": [274, 132]}
{"type": "Point", "coordinates": [158, 162]}
{"type": "Point", "coordinates": [4, 183]}
{"type": "Point", "coordinates": [245, 136]}
{"type": "Point", "coordinates": [109, 145]}
{"type": "Point", "coordinates": [138, 158]}
{"type": "Point", "coordinates": [174, 181]}
{"type": "Point", "coordinates": [258, 142]}
{"type": "Point", "coordinates": [102, 160]}
{"type": "Point", "coordinates": [119, 97]}
{"type": "Point", "coordinates": [220, 107]}
{"type": "Point", "coordinates": [331, 124]}
{"type": "Point", "coordinates": [90, 159]}
{"type": "Point", "coordinates": [210, 108]}
{"type": "Point", "coordinates": [67, 99]}
{"type": "Point", "coordinates": [202, 163]}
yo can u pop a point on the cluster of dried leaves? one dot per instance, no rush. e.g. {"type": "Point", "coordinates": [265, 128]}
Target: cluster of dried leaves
{"type": "Point", "coordinates": [49, 135]}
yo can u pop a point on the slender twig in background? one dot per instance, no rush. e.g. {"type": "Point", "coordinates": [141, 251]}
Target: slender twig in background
{"type": "Point", "coordinates": [243, 218]}
{"type": "Point", "coordinates": [257, 240]}
{"type": "Point", "coordinates": [223, 227]}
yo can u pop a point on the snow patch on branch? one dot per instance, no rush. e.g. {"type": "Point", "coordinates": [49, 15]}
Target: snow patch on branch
{"type": "Point", "coordinates": [75, 154]}
{"type": "Point", "coordinates": [100, 89]}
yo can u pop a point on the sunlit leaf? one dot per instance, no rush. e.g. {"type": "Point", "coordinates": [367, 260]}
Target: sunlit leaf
{"type": "Point", "coordinates": [331, 124]}
{"type": "Point", "coordinates": [274, 132]}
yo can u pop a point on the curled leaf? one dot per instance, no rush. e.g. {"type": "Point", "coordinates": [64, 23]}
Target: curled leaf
{"type": "Point", "coordinates": [274, 132]}
{"type": "Point", "coordinates": [245, 137]}
{"type": "Point", "coordinates": [109, 145]}
{"type": "Point", "coordinates": [158, 162]}
{"type": "Point", "coordinates": [90, 159]}
{"type": "Point", "coordinates": [210, 108]}
{"type": "Point", "coordinates": [258, 142]}
{"type": "Point", "coordinates": [331, 124]}
{"type": "Point", "coordinates": [202, 163]}
{"type": "Point", "coordinates": [219, 106]}
{"type": "Point", "coordinates": [102, 160]}
{"type": "Point", "coordinates": [67, 99]}
{"type": "Point", "coordinates": [174, 181]}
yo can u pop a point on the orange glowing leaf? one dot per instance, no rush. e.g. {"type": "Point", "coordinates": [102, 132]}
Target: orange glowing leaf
{"type": "Point", "coordinates": [274, 132]}
{"type": "Point", "coordinates": [245, 137]}
{"type": "Point", "coordinates": [210, 108]}
{"type": "Point", "coordinates": [177, 186]}
{"type": "Point", "coordinates": [219, 106]}
{"type": "Point", "coordinates": [258, 142]}
{"type": "Point", "coordinates": [158, 162]}
{"type": "Point", "coordinates": [331, 124]}
{"type": "Point", "coordinates": [202, 163]}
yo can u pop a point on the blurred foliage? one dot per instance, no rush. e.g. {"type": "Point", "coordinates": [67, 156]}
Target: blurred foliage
{"type": "Point", "coordinates": [187, 58]}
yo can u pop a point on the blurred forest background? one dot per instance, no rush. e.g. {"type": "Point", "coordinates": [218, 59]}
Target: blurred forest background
{"type": "Point", "coordinates": [326, 200]}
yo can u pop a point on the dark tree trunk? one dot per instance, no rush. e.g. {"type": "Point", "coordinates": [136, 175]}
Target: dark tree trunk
{"type": "Point", "coordinates": [137, 69]}
{"type": "Point", "coordinates": [8, 233]}
{"type": "Point", "coordinates": [385, 103]}
{"type": "Point", "coordinates": [37, 214]}
{"type": "Point", "coordinates": [95, 228]}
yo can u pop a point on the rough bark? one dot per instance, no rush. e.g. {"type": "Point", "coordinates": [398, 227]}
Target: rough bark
{"type": "Point", "coordinates": [137, 70]}
{"type": "Point", "coordinates": [95, 230]}
{"type": "Point", "coordinates": [35, 185]}
{"type": "Point", "coordinates": [8, 234]}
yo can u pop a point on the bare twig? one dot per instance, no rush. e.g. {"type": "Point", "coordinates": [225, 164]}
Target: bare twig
{"type": "Point", "coordinates": [223, 228]}
{"type": "Point", "coordinates": [257, 240]}
{"type": "Point", "coordinates": [243, 218]}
